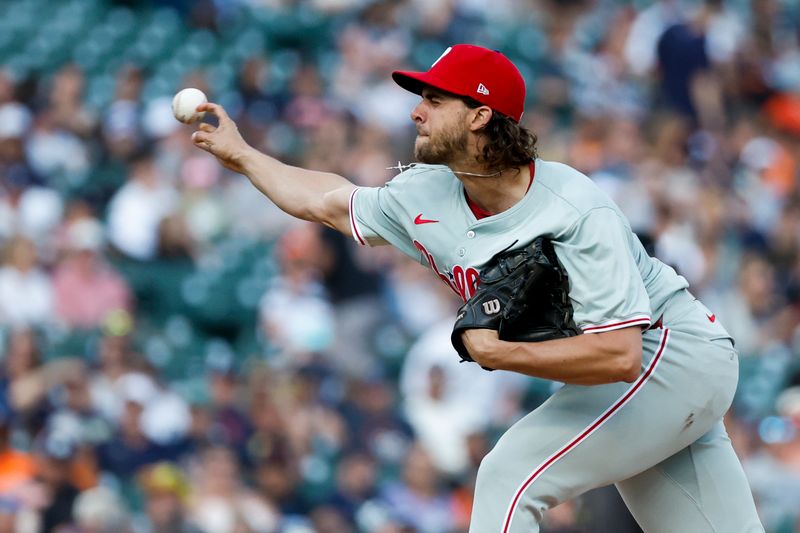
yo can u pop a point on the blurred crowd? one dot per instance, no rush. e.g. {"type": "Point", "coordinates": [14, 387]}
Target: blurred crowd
{"type": "Point", "coordinates": [317, 392]}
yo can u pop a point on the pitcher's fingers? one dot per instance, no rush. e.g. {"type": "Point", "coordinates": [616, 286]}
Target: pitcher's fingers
{"type": "Point", "coordinates": [200, 138]}
{"type": "Point", "coordinates": [206, 127]}
{"type": "Point", "coordinates": [216, 110]}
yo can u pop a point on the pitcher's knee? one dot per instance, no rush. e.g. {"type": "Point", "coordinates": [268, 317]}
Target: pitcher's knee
{"type": "Point", "coordinates": [493, 472]}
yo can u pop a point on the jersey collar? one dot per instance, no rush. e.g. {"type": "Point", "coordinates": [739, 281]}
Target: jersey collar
{"type": "Point", "coordinates": [481, 213]}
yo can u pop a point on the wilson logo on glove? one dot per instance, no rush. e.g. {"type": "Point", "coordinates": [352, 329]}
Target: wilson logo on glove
{"type": "Point", "coordinates": [492, 307]}
{"type": "Point", "coordinates": [523, 294]}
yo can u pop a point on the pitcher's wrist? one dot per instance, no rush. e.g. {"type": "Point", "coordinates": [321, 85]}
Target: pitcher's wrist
{"type": "Point", "coordinates": [245, 159]}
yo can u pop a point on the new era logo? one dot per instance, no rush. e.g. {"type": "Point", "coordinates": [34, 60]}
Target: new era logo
{"type": "Point", "coordinates": [482, 89]}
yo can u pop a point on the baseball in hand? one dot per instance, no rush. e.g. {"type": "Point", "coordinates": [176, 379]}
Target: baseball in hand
{"type": "Point", "coordinates": [184, 105]}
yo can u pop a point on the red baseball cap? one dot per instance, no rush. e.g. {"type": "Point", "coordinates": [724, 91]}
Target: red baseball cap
{"type": "Point", "coordinates": [466, 70]}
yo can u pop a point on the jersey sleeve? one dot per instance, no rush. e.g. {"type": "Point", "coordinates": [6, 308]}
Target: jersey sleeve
{"type": "Point", "coordinates": [606, 287]}
{"type": "Point", "coordinates": [375, 214]}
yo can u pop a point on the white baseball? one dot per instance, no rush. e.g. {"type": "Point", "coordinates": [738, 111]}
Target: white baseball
{"type": "Point", "coordinates": [184, 105]}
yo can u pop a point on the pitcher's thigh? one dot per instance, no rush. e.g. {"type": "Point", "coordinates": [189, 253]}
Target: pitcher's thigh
{"type": "Point", "coordinates": [587, 437]}
{"type": "Point", "coordinates": [701, 489]}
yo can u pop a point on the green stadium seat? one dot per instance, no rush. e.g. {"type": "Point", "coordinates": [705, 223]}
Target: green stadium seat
{"type": "Point", "coordinates": [59, 342]}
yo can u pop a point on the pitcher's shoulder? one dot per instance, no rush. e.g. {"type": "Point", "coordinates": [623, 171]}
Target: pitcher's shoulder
{"type": "Point", "coordinates": [571, 188]}
{"type": "Point", "coordinates": [431, 181]}
{"type": "Point", "coordinates": [423, 171]}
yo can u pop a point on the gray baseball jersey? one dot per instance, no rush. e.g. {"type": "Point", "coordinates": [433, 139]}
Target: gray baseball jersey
{"type": "Point", "coordinates": [659, 439]}
{"type": "Point", "coordinates": [613, 282]}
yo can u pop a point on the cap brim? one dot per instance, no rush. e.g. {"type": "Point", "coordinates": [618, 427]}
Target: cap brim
{"type": "Point", "coordinates": [416, 81]}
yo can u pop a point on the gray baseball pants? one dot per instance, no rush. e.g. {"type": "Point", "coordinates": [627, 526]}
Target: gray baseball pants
{"type": "Point", "coordinates": [660, 440]}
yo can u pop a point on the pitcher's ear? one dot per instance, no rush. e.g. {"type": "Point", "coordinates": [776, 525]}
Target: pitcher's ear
{"type": "Point", "coordinates": [480, 117]}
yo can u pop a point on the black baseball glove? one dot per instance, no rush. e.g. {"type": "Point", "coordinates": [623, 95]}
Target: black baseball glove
{"type": "Point", "coordinates": [523, 294]}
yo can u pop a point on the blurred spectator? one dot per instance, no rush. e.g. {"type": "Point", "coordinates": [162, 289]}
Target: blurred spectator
{"type": "Point", "coordinates": [446, 402]}
{"type": "Point", "coordinates": [684, 63]}
{"type": "Point", "coordinates": [35, 211]}
{"type": "Point", "coordinates": [202, 214]}
{"type": "Point", "coordinates": [375, 423]}
{"type": "Point", "coordinates": [270, 438]}
{"type": "Point", "coordinates": [6, 87]}
{"type": "Point", "coordinates": [166, 419]}
{"type": "Point", "coordinates": [441, 425]}
{"type": "Point", "coordinates": [131, 447]}
{"type": "Point", "coordinates": [228, 423]}
{"type": "Point", "coordinates": [356, 483]}
{"type": "Point", "coordinates": [248, 213]}
{"type": "Point", "coordinates": [676, 244]}
{"type": "Point", "coordinates": [278, 482]}
{"type": "Point", "coordinates": [597, 72]}
{"type": "Point", "coordinates": [327, 519]}
{"type": "Point", "coordinates": [295, 315]}
{"type": "Point", "coordinates": [419, 299]}
{"type": "Point", "coordinates": [262, 101]}
{"type": "Point", "coordinates": [17, 469]}
{"type": "Point", "coordinates": [353, 287]}
{"type": "Point", "coordinates": [56, 493]}
{"type": "Point", "coordinates": [774, 472]}
{"type": "Point", "coordinates": [72, 411]}
{"type": "Point", "coordinates": [86, 287]}
{"type": "Point", "coordinates": [56, 154]}
{"type": "Point", "coordinates": [221, 503]}
{"type": "Point", "coordinates": [115, 360]}
{"type": "Point", "coordinates": [100, 510]}
{"type": "Point", "coordinates": [175, 243]}
{"type": "Point", "coordinates": [308, 105]}
{"type": "Point", "coordinates": [25, 207]}
{"type": "Point", "coordinates": [419, 499]}
{"type": "Point", "coordinates": [748, 310]}
{"type": "Point", "coordinates": [166, 494]}
{"type": "Point", "coordinates": [18, 388]}
{"type": "Point", "coordinates": [26, 293]}
{"type": "Point", "coordinates": [65, 103]}
{"type": "Point", "coordinates": [16, 120]}
{"type": "Point", "coordinates": [779, 171]}
{"type": "Point", "coordinates": [137, 209]}
{"type": "Point", "coordinates": [121, 125]}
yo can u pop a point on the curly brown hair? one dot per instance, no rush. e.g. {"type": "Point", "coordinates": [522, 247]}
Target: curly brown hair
{"type": "Point", "coordinates": [508, 144]}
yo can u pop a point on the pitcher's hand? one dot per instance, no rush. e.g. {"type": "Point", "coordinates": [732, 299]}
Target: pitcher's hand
{"type": "Point", "coordinates": [481, 345]}
{"type": "Point", "coordinates": [223, 142]}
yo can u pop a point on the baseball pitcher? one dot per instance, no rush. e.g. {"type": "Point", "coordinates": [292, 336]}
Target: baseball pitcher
{"type": "Point", "coordinates": [555, 285]}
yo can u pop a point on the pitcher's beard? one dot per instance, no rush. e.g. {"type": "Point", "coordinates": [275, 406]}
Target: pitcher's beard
{"type": "Point", "coordinates": [443, 150]}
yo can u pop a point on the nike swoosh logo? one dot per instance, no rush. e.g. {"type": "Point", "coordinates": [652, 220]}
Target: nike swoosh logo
{"type": "Point", "coordinates": [419, 220]}
{"type": "Point", "coordinates": [712, 317]}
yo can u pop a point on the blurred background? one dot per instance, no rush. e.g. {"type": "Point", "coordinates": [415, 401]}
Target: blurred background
{"type": "Point", "coordinates": [179, 356]}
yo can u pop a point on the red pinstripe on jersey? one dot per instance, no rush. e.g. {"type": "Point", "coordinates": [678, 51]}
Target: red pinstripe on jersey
{"type": "Point", "coordinates": [353, 225]}
{"type": "Point", "coordinates": [594, 426]}
{"type": "Point", "coordinates": [641, 320]}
